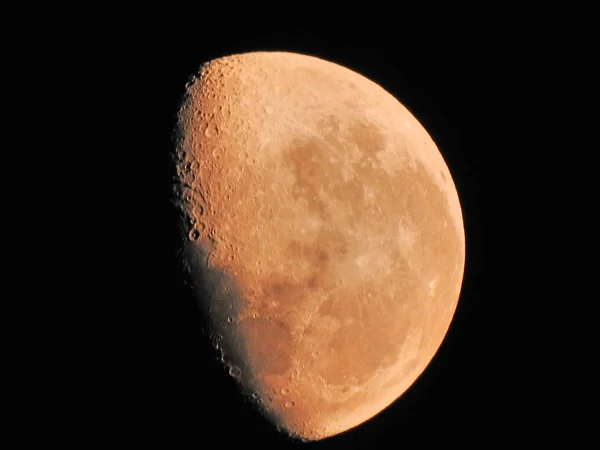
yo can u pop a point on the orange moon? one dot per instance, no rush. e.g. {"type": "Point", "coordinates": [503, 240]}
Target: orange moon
{"type": "Point", "coordinates": [323, 234]}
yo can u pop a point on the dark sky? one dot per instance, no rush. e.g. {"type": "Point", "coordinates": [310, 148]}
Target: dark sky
{"type": "Point", "coordinates": [464, 83]}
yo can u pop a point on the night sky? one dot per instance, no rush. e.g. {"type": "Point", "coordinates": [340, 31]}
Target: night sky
{"type": "Point", "coordinates": [464, 83]}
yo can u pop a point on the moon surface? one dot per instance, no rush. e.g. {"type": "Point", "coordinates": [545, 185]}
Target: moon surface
{"type": "Point", "coordinates": [323, 234]}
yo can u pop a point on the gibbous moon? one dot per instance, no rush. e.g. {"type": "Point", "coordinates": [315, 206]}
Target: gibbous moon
{"type": "Point", "coordinates": [323, 234]}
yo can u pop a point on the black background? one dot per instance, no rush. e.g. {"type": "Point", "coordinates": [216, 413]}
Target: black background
{"type": "Point", "coordinates": [465, 84]}
{"type": "Point", "coordinates": [506, 91]}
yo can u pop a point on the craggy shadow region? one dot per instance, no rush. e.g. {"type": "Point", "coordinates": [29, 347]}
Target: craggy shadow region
{"type": "Point", "coordinates": [217, 298]}
{"type": "Point", "coordinates": [221, 303]}
{"type": "Point", "coordinates": [209, 368]}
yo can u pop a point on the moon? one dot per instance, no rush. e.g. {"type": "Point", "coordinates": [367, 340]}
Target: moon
{"type": "Point", "coordinates": [323, 234]}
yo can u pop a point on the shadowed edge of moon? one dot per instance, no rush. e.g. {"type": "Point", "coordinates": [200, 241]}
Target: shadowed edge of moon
{"type": "Point", "coordinates": [220, 301]}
